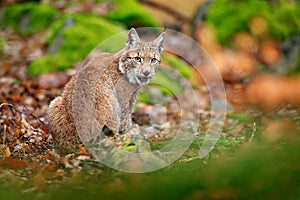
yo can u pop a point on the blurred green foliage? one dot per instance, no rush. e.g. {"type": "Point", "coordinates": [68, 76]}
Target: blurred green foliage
{"type": "Point", "coordinates": [285, 20]}
{"type": "Point", "coordinates": [73, 37]}
{"type": "Point", "coordinates": [2, 43]}
{"type": "Point", "coordinates": [131, 14]}
{"type": "Point", "coordinates": [144, 97]}
{"type": "Point", "coordinates": [161, 84]}
{"type": "Point", "coordinates": [167, 83]}
{"type": "Point", "coordinates": [178, 65]}
{"type": "Point", "coordinates": [28, 18]}
{"type": "Point", "coordinates": [240, 117]}
{"type": "Point", "coordinates": [254, 171]}
{"type": "Point", "coordinates": [231, 16]}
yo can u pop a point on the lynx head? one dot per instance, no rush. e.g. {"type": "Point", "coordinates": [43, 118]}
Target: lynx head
{"type": "Point", "coordinates": [140, 60]}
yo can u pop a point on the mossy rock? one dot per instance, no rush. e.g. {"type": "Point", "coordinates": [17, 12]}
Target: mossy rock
{"type": "Point", "coordinates": [48, 64]}
{"type": "Point", "coordinates": [131, 13]}
{"type": "Point", "coordinates": [27, 18]}
{"type": "Point", "coordinates": [70, 40]}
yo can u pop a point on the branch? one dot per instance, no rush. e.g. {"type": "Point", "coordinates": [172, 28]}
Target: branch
{"type": "Point", "coordinates": [167, 9]}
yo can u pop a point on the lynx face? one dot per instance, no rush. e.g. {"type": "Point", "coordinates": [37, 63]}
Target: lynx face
{"type": "Point", "coordinates": [140, 60]}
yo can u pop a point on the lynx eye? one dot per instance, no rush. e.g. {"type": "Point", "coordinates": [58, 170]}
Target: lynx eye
{"type": "Point", "coordinates": [138, 59]}
{"type": "Point", "coordinates": [154, 61]}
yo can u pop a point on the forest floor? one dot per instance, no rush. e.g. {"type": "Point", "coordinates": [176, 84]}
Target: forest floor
{"type": "Point", "coordinates": [255, 152]}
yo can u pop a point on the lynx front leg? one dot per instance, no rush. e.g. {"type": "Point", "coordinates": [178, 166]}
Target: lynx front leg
{"type": "Point", "coordinates": [108, 113]}
{"type": "Point", "coordinates": [126, 123]}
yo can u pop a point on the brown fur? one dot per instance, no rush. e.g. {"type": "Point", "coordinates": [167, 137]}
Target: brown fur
{"type": "Point", "coordinates": [111, 82]}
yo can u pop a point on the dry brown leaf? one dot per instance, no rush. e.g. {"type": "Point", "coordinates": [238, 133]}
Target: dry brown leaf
{"type": "Point", "coordinates": [258, 26]}
{"type": "Point", "coordinates": [282, 129]}
{"type": "Point", "coordinates": [270, 52]}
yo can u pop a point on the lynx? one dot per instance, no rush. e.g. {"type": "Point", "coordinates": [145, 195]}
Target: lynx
{"type": "Point", "coordinates": [117, 79]}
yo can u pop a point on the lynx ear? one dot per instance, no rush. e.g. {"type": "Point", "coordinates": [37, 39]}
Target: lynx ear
{"type": "Point", "coordinates": [132, 39]}
{"type": "Point", "coordinates": [159, 41]}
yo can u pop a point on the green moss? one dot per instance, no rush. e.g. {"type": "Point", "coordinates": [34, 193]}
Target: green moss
{"type": "Point", "coordinates": [114, 43]}
{"type": "Point", "coordinates": [28, 18]}
{"type": "Point", "coordinates": [143, 97]}
{"type": "Point", "coordinates": [178, 65]}
{"type": "Point", "coordinates": [129, 146]}
{"type": "Point", "coordinates": [131, 14]}
{"type": "Point", "coordinates": [285, 20]}
{"type": "Point", "coordinates": [231, 16]}
{"type": "Point", "coordinates": [47, 64]}
{"type": "Point", "coordinates": [2, 43]}
{"type": "Point", "coordinates": [240, 117]}
{"type": "Point", "coordinates": [163, 83]}
{"type": "Point", "coordinates": [74, 41]}
{"type": "Point", "coordinates": [167, 83]}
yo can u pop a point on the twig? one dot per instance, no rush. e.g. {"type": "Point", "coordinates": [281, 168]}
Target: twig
{"type": "Point", "coordinates": [6, 104]}
{"type": "Point", "coordinates": [253, 131]}
{"type": "Point", "coordinates": [4, 134]}
{"type": "Point", "coordinates": [32, 115]}
{"type": "Point", "coordinates": [13, 108]}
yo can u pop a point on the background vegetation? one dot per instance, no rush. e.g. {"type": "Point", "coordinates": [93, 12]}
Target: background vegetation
{"type": "Point", "coordinates": [255, 45]}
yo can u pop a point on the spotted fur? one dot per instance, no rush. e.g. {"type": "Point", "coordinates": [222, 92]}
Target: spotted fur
{"type": "Point", "coordinates": [112, 82]}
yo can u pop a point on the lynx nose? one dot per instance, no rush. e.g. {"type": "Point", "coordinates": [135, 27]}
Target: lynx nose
{"type": "Point", "coordinates": [146, 73]}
